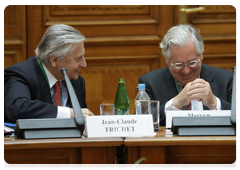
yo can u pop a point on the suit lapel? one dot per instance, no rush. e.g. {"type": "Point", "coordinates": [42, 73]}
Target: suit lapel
{"type": "Point", "coordinates": [168, 86]}
{"type": "Point", "coordinates": [43, 84]}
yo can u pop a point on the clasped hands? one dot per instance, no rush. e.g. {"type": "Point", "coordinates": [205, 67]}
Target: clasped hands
{"type": "Point", "coordinates": [199, 90]}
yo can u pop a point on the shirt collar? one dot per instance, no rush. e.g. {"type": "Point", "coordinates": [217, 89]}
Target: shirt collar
{"type": "Point", "coordinates": [51, 79]}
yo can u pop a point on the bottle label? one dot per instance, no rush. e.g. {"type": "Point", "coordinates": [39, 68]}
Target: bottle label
{"type": "Point", "coordinates": [137, 110]}
{"type": "Point", "coordinates": [119, 111]}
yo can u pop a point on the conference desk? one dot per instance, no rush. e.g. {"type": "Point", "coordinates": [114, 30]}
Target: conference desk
{"type": "Point", "coordinates": [61, 151]}
{"type": "Point", "coordinates": [166, 148]}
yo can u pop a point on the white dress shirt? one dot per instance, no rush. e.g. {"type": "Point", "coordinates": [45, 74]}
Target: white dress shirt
{"type": "Point", "coordinates": [63, 111]}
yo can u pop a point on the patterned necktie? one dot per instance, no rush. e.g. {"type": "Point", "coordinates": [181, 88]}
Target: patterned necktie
{"type": "Point", "coordinates": [189, 107]}
{"type": "Point", "coordinates": [57, 91]}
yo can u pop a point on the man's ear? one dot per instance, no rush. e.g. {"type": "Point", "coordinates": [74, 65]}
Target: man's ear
{"type": "Point", "coordinates": [167, 62]}
{"type": "Point", "coordinates": [53, 60]}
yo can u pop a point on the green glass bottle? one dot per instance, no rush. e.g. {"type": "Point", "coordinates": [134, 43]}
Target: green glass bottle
{"type": "Point", "coordinates": [122, 105]}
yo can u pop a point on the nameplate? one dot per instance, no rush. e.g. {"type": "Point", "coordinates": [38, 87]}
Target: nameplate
{"type": "Point", "coordinates": [194, 113]}
{"type": "Point", "coordinates": [119, 126]}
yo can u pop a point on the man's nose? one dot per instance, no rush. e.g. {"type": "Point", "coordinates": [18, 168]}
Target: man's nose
{"type": "Point", "coordinates": [83, 62]}
{"type": "Point", "coordinates": [186, 69]}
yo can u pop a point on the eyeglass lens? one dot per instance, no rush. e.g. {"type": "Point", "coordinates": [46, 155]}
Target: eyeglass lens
{"type": "Point", "coordinates": [190, 64]}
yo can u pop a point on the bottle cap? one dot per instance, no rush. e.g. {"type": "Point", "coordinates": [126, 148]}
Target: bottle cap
{"type": "Point", "coordinates": [141, 86]}
{"type": "Point", "coordinates": [121, 80]}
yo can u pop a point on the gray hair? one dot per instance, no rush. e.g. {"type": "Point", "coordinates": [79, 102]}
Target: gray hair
{"type": "Point", "coordinates": [58, 40]}
{"type": "Point", "coordinates": [180, 36]}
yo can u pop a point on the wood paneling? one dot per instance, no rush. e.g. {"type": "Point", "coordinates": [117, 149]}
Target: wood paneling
{"type": "Point", "coordinates": [42, 156]}
{"type": "Point", "coordinates": [101, 14]}
{"type": "Point", "coordinates": [148, 151]}
{"type": "Point", "coordinates": [14, 34]}
{"type": "Point", "coordinates": [194, 154]}
{"type": "Point", "coordinates": [217, 25]}
{"type": "Point", "coordinates": [214, 14]}
{"type": "Point", "coordinates": [166, 148]}
{"type": "Point", "coordinates": [10, 58]}
{"type": "Point", "coordinates": [61, 151]}
{"type": "Point", "coordinates": [83, 155]}
{"type": "Point", "coordinates": [96, 155]}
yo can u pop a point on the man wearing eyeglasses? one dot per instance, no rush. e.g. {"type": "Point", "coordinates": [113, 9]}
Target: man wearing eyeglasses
{"type": "Point", "coordinates": [186, 83]}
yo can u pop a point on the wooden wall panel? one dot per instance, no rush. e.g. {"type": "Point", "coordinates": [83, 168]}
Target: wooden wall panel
{"type": "Point", "coordinates": [10, 57]}
{"type": "Point", "coordinates": [14, 34]}
{"type": "Point", "coordinates": [43, 156]}
{"type": "Point", "coordinates": [148, 151]}
{"type": "Point", "coordinates": [103, 77]}
{"type": "Point", "coordinates": [83, 155]}
{"type": "Point", "coordinates": [194, 155]}
{"type": "Point", "coordinates": [101, 14]}
{"type": "Point", "coordinates": [101, 155]}
{"type": "Point", "coordinates": [217, 25]}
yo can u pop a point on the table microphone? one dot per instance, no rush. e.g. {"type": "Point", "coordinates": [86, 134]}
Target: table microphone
{"type": "Point", "coordinates": [234, 104]}
{"type": "Point", "coordinates": [75, 104]}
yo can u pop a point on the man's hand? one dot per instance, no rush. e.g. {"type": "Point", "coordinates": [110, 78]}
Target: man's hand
{"type": "Point", "coordinates": [85, 111]}
{"type": "Point", "coordinates": [182, 99]}
{"type": "Point", "coordinates": [200, 90]}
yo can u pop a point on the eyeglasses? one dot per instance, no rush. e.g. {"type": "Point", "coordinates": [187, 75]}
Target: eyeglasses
{"type": "Point", "coordinates": [189, 64]}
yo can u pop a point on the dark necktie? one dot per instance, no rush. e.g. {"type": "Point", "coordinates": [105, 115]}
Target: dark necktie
{"type": "Point", "coordinates": [57, 91]}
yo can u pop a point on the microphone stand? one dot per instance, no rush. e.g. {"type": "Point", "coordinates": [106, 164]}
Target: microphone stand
{"type": "Point", "coordinates": [75, 104]}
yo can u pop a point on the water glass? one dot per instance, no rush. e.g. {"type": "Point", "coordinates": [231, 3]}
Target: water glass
{"type": "Point", "coordinates": [107, 109]}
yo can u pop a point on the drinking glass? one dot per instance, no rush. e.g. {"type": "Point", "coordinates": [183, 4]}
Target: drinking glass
{"type": "Point", "coordinates": [107, 109]}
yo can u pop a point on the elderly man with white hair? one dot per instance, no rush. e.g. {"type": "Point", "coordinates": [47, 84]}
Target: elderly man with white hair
{"type": "Point", "coordinates": [186, 83]}
{"type": "Point", "coordinates": [36, 88]}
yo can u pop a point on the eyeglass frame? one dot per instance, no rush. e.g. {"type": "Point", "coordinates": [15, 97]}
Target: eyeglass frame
{"type": "Point", "coordinates": [174, 65]}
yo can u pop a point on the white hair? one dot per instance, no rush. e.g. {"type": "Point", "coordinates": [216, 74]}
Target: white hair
{"type": "Point", "coordinates": [180, 36]}
{"type": "Point", "coordinates": [58, 40]}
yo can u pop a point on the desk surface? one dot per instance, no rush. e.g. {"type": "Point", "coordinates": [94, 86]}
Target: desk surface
{"type": "Point", "coordinates": [13, 143]}
{"type": "Point", "coordinates": [165, 137]}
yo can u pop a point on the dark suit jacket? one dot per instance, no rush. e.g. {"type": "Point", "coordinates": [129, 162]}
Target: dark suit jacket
{"type": "Point", "coordinates": [27, 94]}
{"type": "Point", "coordinates": [160, 85]}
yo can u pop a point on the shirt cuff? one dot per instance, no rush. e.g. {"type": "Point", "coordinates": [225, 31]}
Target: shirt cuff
{"type": "Point", "coordinates": [218, 104]}
{"type": "Point", "coordinates": [169, 106]}
{"type": "Point", "coordinates": [63, 112]}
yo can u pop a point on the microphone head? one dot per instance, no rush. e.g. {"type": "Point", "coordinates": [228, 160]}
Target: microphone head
{"type": "Point", "coordinates": [63, 70]}
{"type": "Point", "coordinates": [235, 69]}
